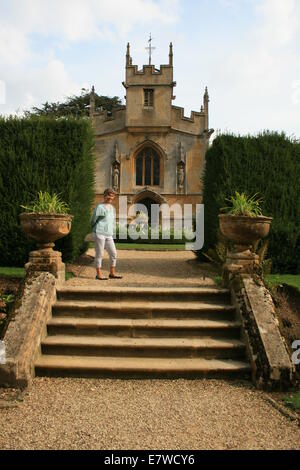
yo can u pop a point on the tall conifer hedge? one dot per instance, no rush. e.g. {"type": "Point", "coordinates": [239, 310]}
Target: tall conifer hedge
{"type": "Point", "coordinates": [267, 164]}
{"type": "Point", "coordinates": [54, 155]}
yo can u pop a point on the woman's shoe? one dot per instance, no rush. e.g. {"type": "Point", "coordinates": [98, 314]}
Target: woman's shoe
{"type": "Point", "coordinates": [101, 278]}
{"type": "Point", "coordinates": [115, 276]}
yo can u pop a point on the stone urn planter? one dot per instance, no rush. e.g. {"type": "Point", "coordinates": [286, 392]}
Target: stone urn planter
{"type": "Point", "coordinates": [243, 231]}
{"type": "Point", "coordinates": [45, 229]}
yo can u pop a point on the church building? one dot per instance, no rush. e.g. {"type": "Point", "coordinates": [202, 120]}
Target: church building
{"type": "Point", "coordinates": [148, 150]}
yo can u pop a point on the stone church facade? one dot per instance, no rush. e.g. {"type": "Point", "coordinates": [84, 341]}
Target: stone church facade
{"type": "Point", "coordinates": [148, 150]}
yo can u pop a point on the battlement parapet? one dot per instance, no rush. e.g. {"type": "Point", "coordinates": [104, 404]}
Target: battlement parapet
{"type": "Point", "coordinates": [106, 115]}
{"type": "Point", "coordinates": [194, 124]}
{"type": "Point", "coordinates": [180, 112]}
{"type": "Point", "coordinates": [161, 76]}
{"type": "Point", "coordinates": [106, 121]}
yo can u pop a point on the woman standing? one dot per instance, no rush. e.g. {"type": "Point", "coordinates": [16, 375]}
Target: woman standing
{"type": "Point", "coordinates": [102, 223]}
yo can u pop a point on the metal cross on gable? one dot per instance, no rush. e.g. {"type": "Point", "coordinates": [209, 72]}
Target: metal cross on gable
{"type": "Point", "coordinates": [150, 48]}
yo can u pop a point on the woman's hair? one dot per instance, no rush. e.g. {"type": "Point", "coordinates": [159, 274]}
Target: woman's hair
{"type": "Point", "coordinates": [109, 191]}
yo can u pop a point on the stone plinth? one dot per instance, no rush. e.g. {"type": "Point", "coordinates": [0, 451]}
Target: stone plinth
{"type": "Point", "coordinates": [45, 229]}
{"type": "Point", "coordinates": [242, 231]}
{"type": "Point", "coordinates": [46, 260]}
{"type": "Point", "coordinates": [241, 260]}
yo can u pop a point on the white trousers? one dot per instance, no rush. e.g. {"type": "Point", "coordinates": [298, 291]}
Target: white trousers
{"type": "Point", "coordinates": [104, 242]}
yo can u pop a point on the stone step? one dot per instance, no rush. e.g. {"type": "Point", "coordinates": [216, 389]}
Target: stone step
{"type": "Point", "coordinates": [141, 367]}
{"type": "Point", "coordinates": [141, 332]}
{"type": "Point", "coordinates": [142, 309]}
{"type": "Point", "coordinates": [143, 293]}
{"type": "Point", "coordinates": [154, 327]}
{"type": "Point", "coordinates": [143, 347]}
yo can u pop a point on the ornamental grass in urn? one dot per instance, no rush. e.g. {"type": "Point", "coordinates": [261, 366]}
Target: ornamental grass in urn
{"type": "Point", "coordinates": [46, 220]}
{"type": "Point", "coordinates": [243, 224]}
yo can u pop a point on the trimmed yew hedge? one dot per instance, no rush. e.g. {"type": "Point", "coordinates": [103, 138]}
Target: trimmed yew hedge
{"type": "Point", "coordinates": [267, 164]}
{"type": "Point", "coordinates": [47, 154]}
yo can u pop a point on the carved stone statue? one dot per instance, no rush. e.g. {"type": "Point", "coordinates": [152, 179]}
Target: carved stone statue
{"type": "Point", "coordinates": [180, 177]}
{"type": "Point", "coordinates": [116, 178]}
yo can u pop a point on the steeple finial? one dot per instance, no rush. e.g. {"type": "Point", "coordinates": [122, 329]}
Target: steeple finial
{"type": "Point", "coordinates": [171, 54]}
{"type": "Point", "coordinates": [206, 97]}
{"type": "Point", "coordinates": [128, 58]}
{"type": "Point", "coordinates": [205, 105]}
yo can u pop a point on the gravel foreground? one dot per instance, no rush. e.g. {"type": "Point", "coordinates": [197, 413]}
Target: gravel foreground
{"type": "Point", "coordinates": [69, 413]}
{"type": "Point", "coordinates": [175, 268]}
{"type": "Point", "coordinates": [93, 414]}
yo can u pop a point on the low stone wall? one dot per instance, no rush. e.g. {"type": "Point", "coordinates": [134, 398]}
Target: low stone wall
{"type": "Point", "coordinates": [26, 329]}
{"type": "Point", "coordinates": [270, 361]}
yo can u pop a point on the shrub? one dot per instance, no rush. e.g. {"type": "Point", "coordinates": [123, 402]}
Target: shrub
{"type": "Point", "coordinates": [49, 155]}
{"type": "Point", "coordinates": [267, 165]}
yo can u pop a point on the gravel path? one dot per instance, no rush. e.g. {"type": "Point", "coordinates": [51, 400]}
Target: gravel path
{"type": "Point", "coordinates": [146, 268]}
{"type": "Point", "coordinates": [61, 413]}
{"type": "Point", "coordinates": [151, 414]}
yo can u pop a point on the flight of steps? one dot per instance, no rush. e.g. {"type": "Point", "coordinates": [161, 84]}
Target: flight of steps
{"type": "Point", "coordinates": [143, 332]}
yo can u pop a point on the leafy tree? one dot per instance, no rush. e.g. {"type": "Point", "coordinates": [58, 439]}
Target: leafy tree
{"type": "Point", "coordinates": [75, 106]}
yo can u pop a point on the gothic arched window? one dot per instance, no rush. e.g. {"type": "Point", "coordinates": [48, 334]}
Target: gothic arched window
{"type": "Point", "coordinates": [147, 168]}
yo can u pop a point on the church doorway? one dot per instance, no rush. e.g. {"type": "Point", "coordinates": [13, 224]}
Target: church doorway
{"type": "Point", "coordinates": [148, 198]}
{"type": "Point", "coordinates": [147, 202]}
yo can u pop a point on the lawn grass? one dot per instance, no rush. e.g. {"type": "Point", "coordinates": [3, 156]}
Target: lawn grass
{"type": "Point", "coordinates": [293, 401]}
{"type": "Point", "coordinates": [12, 272]}
{"type": "Point", "coordinates": [69, 275]}
{"type": "Point", "coordinates": [147, 246]}
{"type": "Point", "coordinates": [150, 247]}
{"type": "Point", "coordinates": [274, 280]}
{"type": "Point", "coordinates": [218, 280]}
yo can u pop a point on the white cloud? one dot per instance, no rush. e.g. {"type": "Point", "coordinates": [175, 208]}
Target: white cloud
{"type": "Point", "coordinates": [271, 58]}
{"type": "Point", "coordinates": [49, 83]}
{"type": "Point", "coordinates": [278, 22]}
{"type": "Point", "coordinates": [253, 71]}
{"type": "Point", "coordinates": [2, 92]}
{"type": "Point", "coordinates": [75, 20]}
{"type": "Point", "coordinates": [256, 91]}
{"type": "Point", "coordinates": [22, 64]}
{"type": "Point", "coordinates": [52, 81]}
{"type": "Point", "coordinates": [296, 92]}
{"type": "Point", "coordinates": [14, 46]}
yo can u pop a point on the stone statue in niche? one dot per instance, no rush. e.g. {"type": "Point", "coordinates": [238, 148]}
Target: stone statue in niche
{"type": "Point", "coordinates": [180, 177]}
{"type": "Point", "coordinates": [116, 173]}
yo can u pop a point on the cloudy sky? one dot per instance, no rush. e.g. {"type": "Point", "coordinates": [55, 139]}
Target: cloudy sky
{"type": "Point", "coordinates": [246, 51]}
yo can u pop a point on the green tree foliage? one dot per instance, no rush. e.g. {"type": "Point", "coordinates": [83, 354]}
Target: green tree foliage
{"type": "Point", "coordinates": [77, 106]}
{"type": "Point", "coordinates": [267, 164]}
{"type": "Point", "coordinates": [54, 155]}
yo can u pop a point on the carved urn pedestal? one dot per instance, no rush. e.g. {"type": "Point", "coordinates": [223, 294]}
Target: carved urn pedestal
{"type": "Point", "coordinates": [45, 229]}
{"type": "Point", "coordinates": [243, 231]}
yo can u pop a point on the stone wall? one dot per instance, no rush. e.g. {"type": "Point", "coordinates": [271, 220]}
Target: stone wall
{"type": "Point", "coordinates": [195, 124]}
{"type": "Point", "coordinates": [168, 147]}
{"type": "Point", "coordinates": [270, 361]}
{"type": "Point", "coordinates": [26, 329]}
